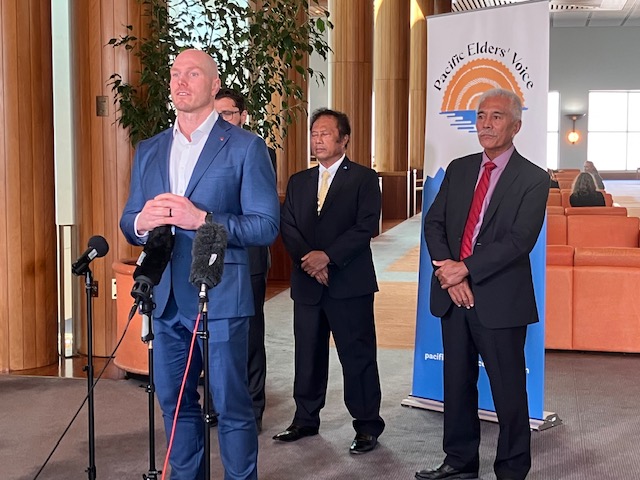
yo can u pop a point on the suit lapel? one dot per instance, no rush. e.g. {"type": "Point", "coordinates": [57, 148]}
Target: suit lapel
{"type": "Point", "coordinates": [310, 190]}
{"type": "Point", "coordinates": [164, 148]}
{"type": "Point", "coordinates": [217, 138]}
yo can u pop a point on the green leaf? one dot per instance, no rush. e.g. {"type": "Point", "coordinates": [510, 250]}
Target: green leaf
{"type": "Point", "coordinates": [255, 51]}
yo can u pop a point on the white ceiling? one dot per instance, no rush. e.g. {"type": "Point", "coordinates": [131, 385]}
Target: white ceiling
{"type": "Point", "coordinates": [563, 13]}
{"type": "Point", "coordinates": [574, 13]}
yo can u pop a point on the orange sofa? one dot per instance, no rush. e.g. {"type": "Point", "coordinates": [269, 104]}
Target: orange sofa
{"type": "Point", "coordinates": [595, 211]}
{"type": "Point", "coordinates": [606, 316]}
{"type": "Point", "coordinates": [559, 300]}
{"type": "Point", "coordinates": [554, 198]}
{"type": "Point", "coordinates": [557, 226]}
{"type": "Point", "coordinates": [592, 281]}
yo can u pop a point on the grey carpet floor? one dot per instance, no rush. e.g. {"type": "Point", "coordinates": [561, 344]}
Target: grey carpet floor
{"type": "Point", "coordinates": [596, 395]}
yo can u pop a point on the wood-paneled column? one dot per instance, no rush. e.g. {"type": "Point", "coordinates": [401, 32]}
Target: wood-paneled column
{"type": "Point", "coordinates": [391, 84]}
{"type": "Point", "coordinates": [418, 75]}
{"type": "Point", "coordinates": [102, 150]}
{"type": "Point", "coordinates": [351, 65]}
{"type": "Point", "coordinates": [28, 280]}
{"type": "Point", "coordinates": [418, 81]}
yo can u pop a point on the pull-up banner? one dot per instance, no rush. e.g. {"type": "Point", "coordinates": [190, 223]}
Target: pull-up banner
{"type": "Point", "coordinates": [469, 53]}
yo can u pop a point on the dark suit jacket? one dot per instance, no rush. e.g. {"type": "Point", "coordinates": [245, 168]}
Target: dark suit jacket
{"type": "Point", "coordinates": [499, 268]}
{"type": "Point", "coordinates": [596, 199]}
{"type": "Point", "coordinates": [343, 230]}
{"type": "Point", "coordinates": [233, 178]}
{"type": "Point", "coordinates": [260, 257]}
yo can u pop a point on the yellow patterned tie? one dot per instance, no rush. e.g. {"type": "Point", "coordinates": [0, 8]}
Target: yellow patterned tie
{"type": "Point", "coordinates": [324, 188]}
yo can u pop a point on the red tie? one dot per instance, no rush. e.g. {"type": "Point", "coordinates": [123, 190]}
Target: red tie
{"type": "Point", "coordinates": [476, 208]}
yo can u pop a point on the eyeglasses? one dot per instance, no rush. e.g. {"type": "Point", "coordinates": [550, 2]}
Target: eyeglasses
{"type": "Point", "coordinates": [228, 114]}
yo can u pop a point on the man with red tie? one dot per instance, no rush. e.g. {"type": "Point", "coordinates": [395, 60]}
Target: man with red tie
{"type": "Point", "coordinates": [480, 230]}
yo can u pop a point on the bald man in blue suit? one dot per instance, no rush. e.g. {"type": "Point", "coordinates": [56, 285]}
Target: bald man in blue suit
{"type": "Point", "coordinates": [203, 170]}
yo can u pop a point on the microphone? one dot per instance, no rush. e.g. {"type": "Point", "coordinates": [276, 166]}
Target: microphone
{"type": "Point", "coordinates": [152, 262]}
{"type": "Point", "coordinates": [97, 247]}
{"type": "Point", "coordinates": [207, 255]}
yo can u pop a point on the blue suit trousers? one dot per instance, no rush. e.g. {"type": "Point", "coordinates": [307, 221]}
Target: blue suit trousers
{"type": "Point", "coordinates": [237, 434]}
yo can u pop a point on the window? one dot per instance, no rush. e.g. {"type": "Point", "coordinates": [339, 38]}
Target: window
{"type": "Point", "coordinates": [553, 129]}
{"type": "Point", "coordinates": [614, 130]}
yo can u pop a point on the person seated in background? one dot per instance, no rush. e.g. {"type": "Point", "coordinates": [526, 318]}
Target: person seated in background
{"type": "Point", "coordinates": [589, 167]}
{"type": "Point", "coordinates": [585, 193]}
{"type": "Point", "coordinates": [553, 181]}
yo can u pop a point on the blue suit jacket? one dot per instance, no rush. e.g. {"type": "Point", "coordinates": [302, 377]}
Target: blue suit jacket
{"type": "Point", "coordinates": [234, 179]}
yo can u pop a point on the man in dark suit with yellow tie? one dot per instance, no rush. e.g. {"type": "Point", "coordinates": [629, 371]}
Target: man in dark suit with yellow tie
{"type": "Point", "coordinates": [328, 218]}
{"type": "Point", "coordinates": [480, 230]}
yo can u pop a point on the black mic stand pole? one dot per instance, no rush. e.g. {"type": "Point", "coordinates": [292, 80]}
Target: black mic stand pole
{"type": "Point", "coordinates": [91, 291]}
{"type": "Point", "coordinates": [204, 334]}
{"type": "Point", "coordinates": [146, 309]}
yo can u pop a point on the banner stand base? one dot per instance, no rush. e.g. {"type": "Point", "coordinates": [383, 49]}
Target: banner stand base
{"type": "Point", "coordinates": [551, 419]}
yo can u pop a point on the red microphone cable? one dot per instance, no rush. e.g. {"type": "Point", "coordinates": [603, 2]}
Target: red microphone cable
{"type": "Point", "coordinates": [184, 381]}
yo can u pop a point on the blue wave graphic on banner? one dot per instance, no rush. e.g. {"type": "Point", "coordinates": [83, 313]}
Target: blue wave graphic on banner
{"type": "Point", "coordinates": [462, 119]}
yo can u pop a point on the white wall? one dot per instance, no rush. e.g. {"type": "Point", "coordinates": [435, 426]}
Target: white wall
{"type": "Point", "coordinates": [589, 58]}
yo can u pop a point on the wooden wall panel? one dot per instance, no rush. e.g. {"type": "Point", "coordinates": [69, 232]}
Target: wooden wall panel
{"type": "Point", "coordinates": [28, 298]}
{"type": "Point", "coordinates": [103, 154]}
{"type": "Point", "coordinates": [391, 84]}
{"type": "Point", "coordinates": [352, 71]}
{"type": "Point", "coordinates": [418, 80]}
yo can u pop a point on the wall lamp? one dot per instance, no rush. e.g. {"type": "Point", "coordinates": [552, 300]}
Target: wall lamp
{"type": "Point", "coordinates": [574, 135]}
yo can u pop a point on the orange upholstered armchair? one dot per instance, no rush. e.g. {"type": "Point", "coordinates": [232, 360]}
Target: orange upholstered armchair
{"type": "Point", "coordinates": [559, 303]}
{"type": "Point", "coordinates": [554, 198]}
{"type": "Point", "coordinates": [622, 211]}
{"type": "Point", "coordinates": [592, 282]}
{"type": "Point", "coordinates": [606, 314]}
{"type": "Point", "coordinates": [556, 229]}
{"type": "Point", "coordinates": [555, 210]}
{"type": "Point", "coordinates": [603, 231]}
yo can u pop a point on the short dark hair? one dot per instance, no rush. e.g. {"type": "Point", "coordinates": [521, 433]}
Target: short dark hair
{"type": "Point", "coordinates": [344, 127]}
{"type": "Point", "coordinates": [233, 95]}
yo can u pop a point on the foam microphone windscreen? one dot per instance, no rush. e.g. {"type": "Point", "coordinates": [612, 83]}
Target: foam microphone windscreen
{"type": "Point", "coordinates": [155, 256]}
{"type": "Point", "coordinates": [99, 244]}
{"type": "Point", "coordinates": [207, 254]}
{"type": "Point", "coordinates": [97, 247]}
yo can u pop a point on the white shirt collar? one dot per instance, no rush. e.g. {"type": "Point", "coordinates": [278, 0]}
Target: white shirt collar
{"type": "Point", "coordinates": [203, 130]}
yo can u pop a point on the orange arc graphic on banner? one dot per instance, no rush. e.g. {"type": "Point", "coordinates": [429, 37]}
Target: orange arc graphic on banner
{"type": "Point", "coordinates": [473, 79]}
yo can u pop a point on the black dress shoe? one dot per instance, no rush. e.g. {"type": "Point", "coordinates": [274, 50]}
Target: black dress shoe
{"type": "Point", "coordinates": [445, 471]}
{"type": "Point", "coordinates": [295, 432]}
{"type": "Point", "coordinates": [363, 443]}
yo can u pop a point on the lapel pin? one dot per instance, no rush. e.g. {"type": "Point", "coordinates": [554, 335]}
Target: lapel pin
{"type": "Point", "coordinates": [221, 139]}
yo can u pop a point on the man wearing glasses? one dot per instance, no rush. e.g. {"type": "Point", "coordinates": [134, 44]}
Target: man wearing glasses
{"type": "Point", "coordinates": [231, 106]}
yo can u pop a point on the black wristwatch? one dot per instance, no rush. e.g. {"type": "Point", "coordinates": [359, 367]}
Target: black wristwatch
{"type": "Point", "coordinates": [208, 218]}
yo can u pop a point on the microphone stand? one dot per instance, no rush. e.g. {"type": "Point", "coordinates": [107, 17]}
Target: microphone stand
{"type": "Point", "coordinates": [204, 335]}
{"type": "Point", "coordinates": [91, 291]}
{"type": "Point", "coordinates": [146, 309]}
